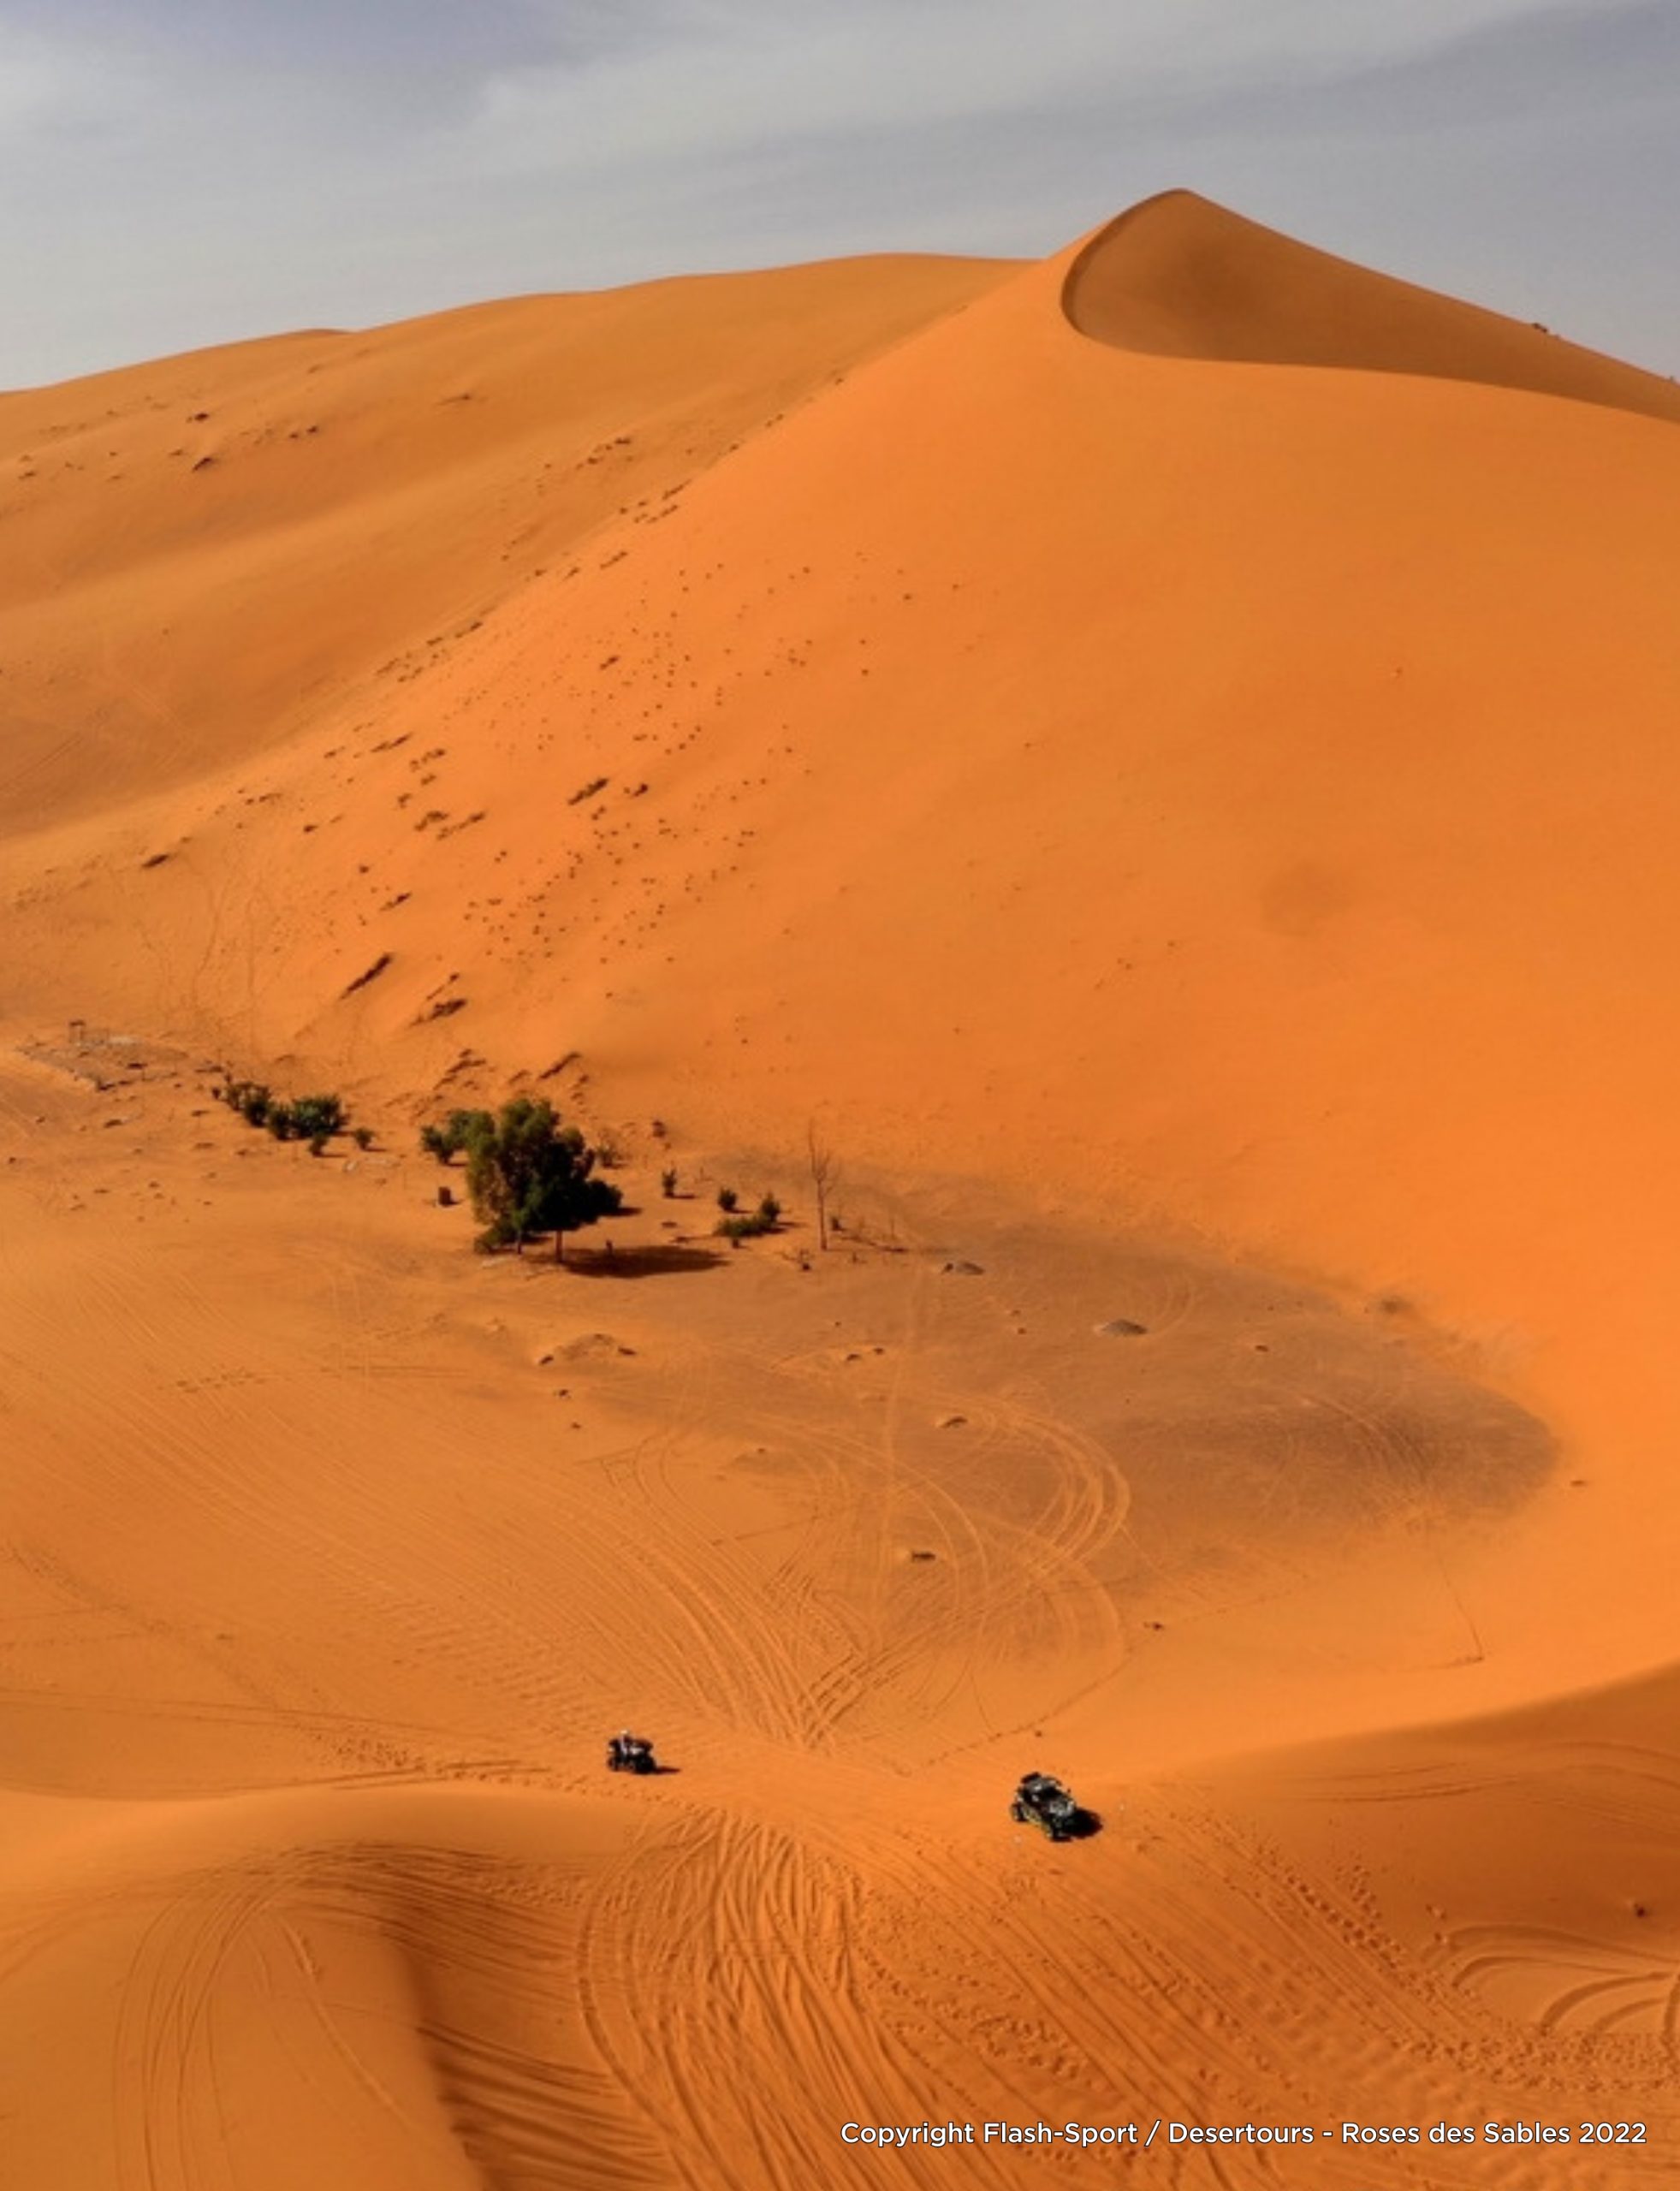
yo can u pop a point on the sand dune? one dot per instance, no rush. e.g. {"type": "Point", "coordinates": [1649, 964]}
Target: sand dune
{"type": "Point", "coordinates": [196, 556]}
{"type": "Point", "coordinates": [1192, 831]}
{"type": "Point", "coordinates": [1179, 278]}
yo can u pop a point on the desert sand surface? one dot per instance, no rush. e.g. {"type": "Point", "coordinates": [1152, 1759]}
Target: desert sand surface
{"type": "Point", "coordinates": [1164, 758]}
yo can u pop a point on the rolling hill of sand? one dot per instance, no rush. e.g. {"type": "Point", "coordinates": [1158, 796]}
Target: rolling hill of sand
{"type": "Point", "coordinates": [1162, 755]}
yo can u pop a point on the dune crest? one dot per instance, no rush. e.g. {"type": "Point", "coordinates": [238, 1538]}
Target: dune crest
{"type": "Point", "coordinates": [1179, 276]}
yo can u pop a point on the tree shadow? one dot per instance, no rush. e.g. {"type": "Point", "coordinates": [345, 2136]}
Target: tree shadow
{"type": "Point", "coordinates": [653, 1260]}
{"type": "Point", "coordinates": [1084, 1824]}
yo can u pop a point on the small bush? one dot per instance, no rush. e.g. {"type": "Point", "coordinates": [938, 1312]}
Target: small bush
{"type": "Point", "coordinates": [726, 1199]}
{"type": "Point", "coordinates": [667, 1182]}
{"type": "Point", "coordinates": [764, 1218]}
{"type": "Point", "coordinates": [317, 1114]}
{"type": "Point", "coordinates": [362, 1136]}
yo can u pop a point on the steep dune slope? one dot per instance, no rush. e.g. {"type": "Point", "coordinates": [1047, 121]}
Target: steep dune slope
{"type": "Point", "coordinates": [1183, 278]}
{"type": "Point", "coordinates": [193, 554]}
{"type": "Point", "coordinates": [1247, 786]}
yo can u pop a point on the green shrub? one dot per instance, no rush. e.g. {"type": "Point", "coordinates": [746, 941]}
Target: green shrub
{"type": "Point", "coordinates": [317, 1114]}
{"type": "Point", "coordinates": [457, 1131]}
{"type": "Point", "coordinates": [726, 1199]}
{"type": "Point", "coordinates": [764, 1218]}
{"type": "Point", "coordinates": [310, 1115]}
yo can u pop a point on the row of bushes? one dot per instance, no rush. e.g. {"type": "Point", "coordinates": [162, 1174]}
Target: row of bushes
{"type": "Point", "coordinates": [746, 1225]}
{"type": "Point", "coordinates": [313, 1118]}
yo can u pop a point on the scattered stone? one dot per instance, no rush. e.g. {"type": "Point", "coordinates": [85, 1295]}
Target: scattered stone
{"type": "Point", "coordinates": [951, 1422]}
{"type": "Point", "coordinates": [1121, 1327]}
{"type": "Point", "coordinates": [959, 1268]}
{"type": "Point", "coordinates": [580, 1350]}
{"type": "Point", "coordinates": [925, 1555]}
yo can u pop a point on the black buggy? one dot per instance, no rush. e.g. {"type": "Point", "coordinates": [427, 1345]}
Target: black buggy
{"type": "Point", "coordinates": [1041, 1800]}
{"type": "Point", "coordinates": [628, 1753]}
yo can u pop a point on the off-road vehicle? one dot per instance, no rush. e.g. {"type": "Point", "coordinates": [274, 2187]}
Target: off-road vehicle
{"type": "Point", "coordinates": [1041, 1800]}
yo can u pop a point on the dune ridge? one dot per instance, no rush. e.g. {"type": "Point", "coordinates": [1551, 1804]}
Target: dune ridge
{"type": "Point", "coordinates": [1179, 277]}
{"type": "Point", "coordinates": [196, 556]}
{"type": "Point", "coordinates": [1191, 834]}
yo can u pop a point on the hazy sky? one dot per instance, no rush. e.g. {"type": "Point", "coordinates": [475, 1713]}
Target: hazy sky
{"type": "Point", "coordinates": [175, 172]}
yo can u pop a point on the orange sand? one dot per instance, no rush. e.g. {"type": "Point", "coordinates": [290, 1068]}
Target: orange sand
{"type": "Point", "coordinates": [1164, 754]}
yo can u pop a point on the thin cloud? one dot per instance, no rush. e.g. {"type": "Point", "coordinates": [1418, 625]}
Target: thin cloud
{"type": "Point", "coordinates": [48, 87]}
{"type": "Point", "coordinates": [726, 75]}
{"type": "Point", "coordinates": [183, 171]}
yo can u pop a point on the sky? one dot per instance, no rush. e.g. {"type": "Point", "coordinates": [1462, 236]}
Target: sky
{"type": "Point", "coordinates": [180, 172]}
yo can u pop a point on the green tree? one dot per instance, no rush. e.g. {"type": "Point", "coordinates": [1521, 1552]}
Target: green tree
{"type": "Point", "coordinates": [458, 1131]}
{"type": "Point", "coordinates": [527, 1173]}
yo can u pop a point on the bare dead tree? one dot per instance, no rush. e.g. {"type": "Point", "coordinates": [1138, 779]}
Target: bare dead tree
{"type": "Point", "coordinates": [825, 1176]}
